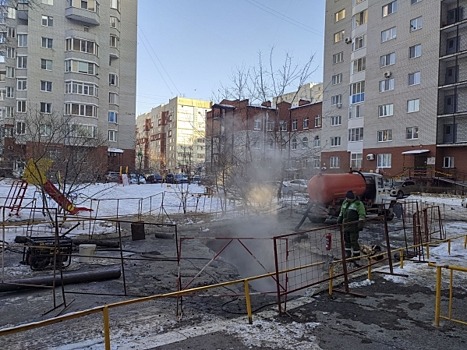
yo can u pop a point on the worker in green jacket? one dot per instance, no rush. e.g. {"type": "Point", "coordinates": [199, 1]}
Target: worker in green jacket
{"type": "Point", "coordinates": [352, 217]}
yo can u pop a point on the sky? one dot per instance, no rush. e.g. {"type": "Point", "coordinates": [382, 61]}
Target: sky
{"type": "Point", "coordinates": [277, 335]}
{"type": "Point", "coordinates": [191, 48]}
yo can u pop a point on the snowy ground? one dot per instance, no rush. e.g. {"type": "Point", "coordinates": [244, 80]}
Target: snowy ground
{"type": "Point", "coordinates": [266, 332]}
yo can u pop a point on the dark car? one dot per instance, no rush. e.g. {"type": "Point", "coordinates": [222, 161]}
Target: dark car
{"type": "Point", "coordinates": [154, 178]}
{"type": "Point", "coordinates": [169, 178]}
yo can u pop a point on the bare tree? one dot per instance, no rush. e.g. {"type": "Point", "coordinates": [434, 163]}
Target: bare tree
{"type": "Point", "coordinates": [238, 168]}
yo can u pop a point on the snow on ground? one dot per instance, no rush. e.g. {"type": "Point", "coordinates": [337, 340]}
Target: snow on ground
{"type": "Point", "coordinates": [264, 329]}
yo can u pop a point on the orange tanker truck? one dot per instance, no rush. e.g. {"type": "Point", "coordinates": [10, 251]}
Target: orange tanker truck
{"type": "Point", "coordinates": [326, 192]}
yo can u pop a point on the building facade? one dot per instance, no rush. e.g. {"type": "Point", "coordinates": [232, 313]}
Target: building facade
{"type": "Point", "coordinates": [393, 72]}
{"type": "Point", "coordinates": [171, 137]}
{"type": "Point", "coordinates": [72, 62]}
{"type": "Point", "coordinates": [281, 138]}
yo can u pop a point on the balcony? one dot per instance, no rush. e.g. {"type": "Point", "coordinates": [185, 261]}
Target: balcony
{"type": "Point", "coordinates": [82, 15]}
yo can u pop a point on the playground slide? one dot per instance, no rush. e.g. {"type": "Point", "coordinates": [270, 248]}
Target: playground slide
{"type": "Point", "coordinates": [63, 201]}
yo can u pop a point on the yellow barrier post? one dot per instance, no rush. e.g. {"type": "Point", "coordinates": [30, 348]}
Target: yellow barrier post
{"type": "Point", "coordinates": [401, 258]}
{"type": "Point", "coordinates": [369, 269]}
{"type": "Point", "coordinates": [451, 275]}
{"type": "Point", "coordinates": [105, 312]}
{"type": "Point", "coordinates": [438, 295]}
{"type": "Point", "coordinates": [248, 301]}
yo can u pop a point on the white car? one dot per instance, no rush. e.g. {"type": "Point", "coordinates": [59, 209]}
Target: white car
{"type": "Point", "coordinates": [133, 178]}
{"type": "Point", "coordinates": [294, 186]}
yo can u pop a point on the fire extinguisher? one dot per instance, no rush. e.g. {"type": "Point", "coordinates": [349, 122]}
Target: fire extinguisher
{"type": "Point", "coordinates": [328, 240]}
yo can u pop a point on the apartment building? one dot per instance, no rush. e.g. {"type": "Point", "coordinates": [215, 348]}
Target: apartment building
{"type": "Point", "coordinates": [394, 86]}
{"type": "Point", "coordinates": [171, 137]}
{"type": "Point", "coordinates": [283, 137]}
{"type": "Point", "coordinates": [72, 61]}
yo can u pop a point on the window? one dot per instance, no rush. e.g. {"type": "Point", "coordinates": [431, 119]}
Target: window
{"type": "Point", "coordinates": [359, 19]}
{"type": "Point", "coordinates": [318, 121]}
{"type": "Point", "coordinates": [357, 92]}
{"type": "Point", "coordinates": [386, 85]}
{"type": "Point", "coordinates": [80, 109]}
{"type": "Point", "coordinates": [46, 86]}
{"type": "Point", "coordinates": [416, 24]}
{"type": "Point", "coordinates": [82, 45]}
{"type": "Point", "coordinates": [339, 15]}
{"type": "Point", "coordinates": [84, 67]}
{"type": "Point", "coordinates": [306, 122]}
{"type": "Point", "coordinates": [10, 92]}
{"type": "Point", "coordinates": [47, 42]}
{"type": "Point", "coordinates": [48, 2]}
{"type": "Point", "coordinates": [46, 107]}
{"type": "Point", "coordinates": [338, 58]}
{"type": "Point", "coordinates": [411, 133]}
{"type": "Point", "coordinates": [336, 79]}
{"type": "Point", "coordinates": [113, 41]}
{"type": "Point", "coordinates": [383, 160]}
{"type": "Point", "coordinates": [295, 125]}
{"type": "Point", "coordinates": [384, 135]}
{"type": "Point", "coordinates": [358, 65]}
{"type": "Point", "coordinates": [334, 162]}
{"type": "Point", "coordinates": [112, 135]}
{"type": "Point", "coordinates": [339, 36]}
{"type": "Point", "coordinates": [113, 98]}
{"type": "Point", "coordinates": [115, 4]}
{"type": "Point", "coordinates": [389, 8]}
{"type": "Point", "coordinates": [10, 72]}
{"type": "Point", "coordinates": [414, 1]}
{"type": "Point", "coordinates": [22, 62]}
{"type": "Point", "coordinates": [2, 95]}
{"type": "Point", "coordinates": [45, 130]}
{"type": "Point", "coordinates": [356, 160]}
{"type": "Point", "coordinates": [415, 51]}
{"type": "Point", "coordinates": [294, 143]}
{"type": "Point", "coordinates": [335, 141]}
{"type": "Point", "coordinates": [83, 130]}
{"type": "Point", "coordinates": [388, 34]}
{"type": "Point", "coordinates": [282, 125]}
{"type": "Point", "coordinates": [21, 106]}
{"type": "Point", "coordinates": [356, 134]}
{"type": "Point", "coordinates": [316, 141]}
{"type": "Point", "coordinates": [336, 120]}
{"type": "Point", "coordinates": [414, 78]}
{"type": "Point", "coordinates": [257, 125]}
{"type": "Point", "coordinates": [21, 84]}
{"type": "Point", "coordinates": [113, 79]}
{"type": "Point", "coordinates": [46, 64]}
{"type": "Point", "coordinates": [356, 111]}
{"type": "Point", "coordinates": [358, 43]}
{"type": "Point", "coordinates": [386, 110]}
{"type": "Point", "coordinates": [20, 128]}
{"type": "Point", "coordinates": [10, 52]}
{"type": "Point", "coordinates": [22, 40]}
{"type": "Point", "coordinates": [112, 117]}
{"type": "Point", "coordinates": [47, 21]}
{"type": "Point", "coordinates": [114, 22]}
{"type": "Point", "coordinates": [387, 60]}
{"type": "Point", "coordinates": [89, 5]}
{"type": "Point", "coordinates": [305, 142]}
{"type": "Point", "coordinates": [413, 105]}
{"type": "Point", "coordinates": [336, 100]}
{"type": "Point", "coordinates": [80, 88]}
{"type": "Point", "coordinates": [448, 162]}
{"type": "Point", "coordinates": [270, 125]}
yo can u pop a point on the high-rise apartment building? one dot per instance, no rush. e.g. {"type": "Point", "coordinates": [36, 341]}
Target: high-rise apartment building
{"type": "Point", "coordinates": [69, 60]}
{"type": "Point", "coordinates": [394, 88]}
{"type": "Point", "coordinates": [171, 137]}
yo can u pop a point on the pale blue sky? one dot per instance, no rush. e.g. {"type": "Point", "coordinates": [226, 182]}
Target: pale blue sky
{"type": "Point", "coordinates": [192, 47]}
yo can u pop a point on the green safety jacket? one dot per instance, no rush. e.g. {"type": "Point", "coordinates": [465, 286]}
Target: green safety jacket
{"type": "Point", "coordinates": [352, 214]}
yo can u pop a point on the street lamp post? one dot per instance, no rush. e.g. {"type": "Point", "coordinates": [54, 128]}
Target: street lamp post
{"type": "Point", "coordinates": [140, 163]}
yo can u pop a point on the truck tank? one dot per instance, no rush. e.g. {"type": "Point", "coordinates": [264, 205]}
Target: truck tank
{"type": "Point", "coordinates": [326, 188]}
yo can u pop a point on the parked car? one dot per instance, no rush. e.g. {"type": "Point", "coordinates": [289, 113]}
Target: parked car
{"type": "Point", "coordinates": [292, 186]}
{"type": "Point", "coordinates": [169, 178]}
{"type": "Point", "coordinates": [136, 179]}
{"type": "Point", "coordinates": [401, 189]}
{"type": "Point", "coordinates": [180, 178]}
{"type": "Point", "coordinates": [154, 178]}
{"type": "Point", "coordinates": [112, 176]}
